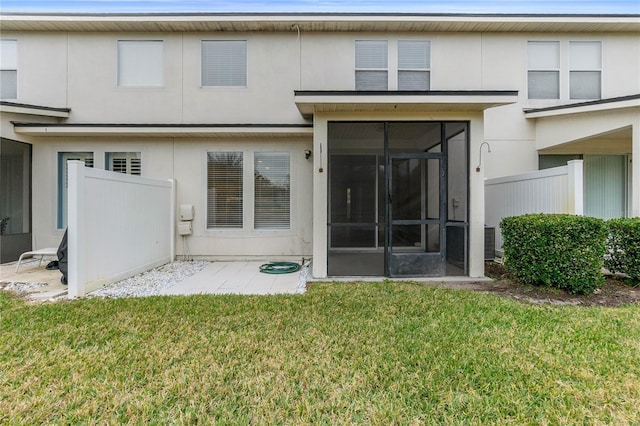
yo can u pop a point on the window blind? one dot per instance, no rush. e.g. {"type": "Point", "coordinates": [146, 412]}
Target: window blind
{"type": "Point", "coordinates": [224, 63]}
{"type": "Point", "coordinates": [371, 65]}
{"type": "Point", "coordinates": [413, 65]}
{"type": "Point", "coordinates": [224, 189]}
{"type": "Point", "coordinates": [8, 69]}
{"type": "Point", "coordinates": [585, 62]}
{"type": "Point", "coordinates": [544, 69]}
{"type": "Point", "coordinates": [272, 179]}
{"type": "Point", "coordinates": [140, 63]}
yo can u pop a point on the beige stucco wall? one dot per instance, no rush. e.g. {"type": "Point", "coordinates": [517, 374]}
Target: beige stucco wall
{"type": "Point", "coordinates": [185, 160]}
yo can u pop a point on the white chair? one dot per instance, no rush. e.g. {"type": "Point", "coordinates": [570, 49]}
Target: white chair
{"type": "Point", "coordinates": [45, 252]}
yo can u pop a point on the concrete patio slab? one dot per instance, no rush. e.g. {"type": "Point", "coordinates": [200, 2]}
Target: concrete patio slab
{"type": "Point", "coordinates": [235, 278]}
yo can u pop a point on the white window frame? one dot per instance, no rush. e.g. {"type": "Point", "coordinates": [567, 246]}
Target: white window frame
{"type": "Point", "coordinates": [573, 68]}
{"type": "Point", "coordinates": [148, 67]}
{"type": "Point", "coordinates": [244, 80]}
{"type": "Point", "coordinates": [556, 70]}
{"type": "Point", "coordinates": [9, 62]}
{"type": "Point", "coordinates": [360, 68]}
{"type": "Point", "coordinates": [426, 69]}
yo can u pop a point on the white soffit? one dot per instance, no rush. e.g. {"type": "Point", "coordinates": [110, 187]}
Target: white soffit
{"type": "Point", "coordinates": [321, 22]}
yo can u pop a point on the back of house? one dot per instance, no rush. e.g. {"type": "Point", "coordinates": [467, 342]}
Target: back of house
{"type": "Point", "coordinates": [360, 140]}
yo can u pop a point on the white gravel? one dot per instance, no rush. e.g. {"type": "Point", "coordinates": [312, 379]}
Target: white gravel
{"type": "Point", "coordinates": [150, 283]}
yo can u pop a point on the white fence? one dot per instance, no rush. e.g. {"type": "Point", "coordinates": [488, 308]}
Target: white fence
{"type": "Point", "coordinates": [119, 225]}
{"type": "Point", "coordinates": [556, 190]}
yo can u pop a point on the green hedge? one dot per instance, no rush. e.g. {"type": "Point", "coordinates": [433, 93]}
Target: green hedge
{"type": "Point", "coordinates": [623, 248]}
{"type": "Point", "coordinates": [555, 250]}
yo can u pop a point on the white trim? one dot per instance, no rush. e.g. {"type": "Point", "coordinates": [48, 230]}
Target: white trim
{"type": "Point", "coordinates": [555, 171]}
{"type": "Point", "coordinates": [177, 131]}
{"type": "Point", "coordinates": [578, 109]}
{"type": "Point", "coordinates": [33, 110]}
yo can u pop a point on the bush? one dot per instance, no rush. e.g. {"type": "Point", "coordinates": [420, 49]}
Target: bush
{"type": "Point", "coordinates": [555, 250]}
{"type": "Point", "coordinates": [623, 248]}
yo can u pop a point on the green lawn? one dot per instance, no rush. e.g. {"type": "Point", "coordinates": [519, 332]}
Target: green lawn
{"type": "Point", "coordinates": [363, 353]}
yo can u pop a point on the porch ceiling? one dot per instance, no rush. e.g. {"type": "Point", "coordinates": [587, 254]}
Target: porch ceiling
{"type": "Point", "coordinates": [615, 142]}
{"type": "Point", "coordinates": [601, 126]}
{"type": "Point", "coordinates": [310, 102]}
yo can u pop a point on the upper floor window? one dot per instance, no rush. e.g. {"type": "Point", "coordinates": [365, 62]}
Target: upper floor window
{"type": "Point", "coordinates": [414, 63]}
{"type": "Point", "coordinates": [8, 69]}
{"type": "Point", "coordinates": [371, 65]}
{"type": "Point", "coordinates": [140, 63]}
{"type": "Point", "coordinates": [543, 70]}
{"type": "Point", "coordinates": [124, 162]}
{"type": "Point", "coordinates": [224, 63]}
{"type": "Point", "coordinates": [585, 69]}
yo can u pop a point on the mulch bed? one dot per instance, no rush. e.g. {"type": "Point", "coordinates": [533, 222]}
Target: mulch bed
{"type": "Point", "coordinates": [614, 293]}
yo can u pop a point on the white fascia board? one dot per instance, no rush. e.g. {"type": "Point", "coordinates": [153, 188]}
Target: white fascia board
{"type": "Point", "coordinates": [17, 109]}
{"type": "Point", "coordinates": [631, 103]}
{"type": "Point", "coordinates": [178, 131]}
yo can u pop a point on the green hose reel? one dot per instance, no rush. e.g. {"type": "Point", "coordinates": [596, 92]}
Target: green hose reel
{"type": "Point", "coordinates": [279, 268]}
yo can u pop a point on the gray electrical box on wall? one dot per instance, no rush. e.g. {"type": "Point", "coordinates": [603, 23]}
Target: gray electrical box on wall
{"type": "Point", "coordinates": [184, 228]}
{"type": "Point", "coordinates": [186, 211]}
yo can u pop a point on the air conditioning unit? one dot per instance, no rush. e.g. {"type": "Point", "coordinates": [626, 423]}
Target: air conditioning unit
{"type": "Point", "coordinates": [489, 243]}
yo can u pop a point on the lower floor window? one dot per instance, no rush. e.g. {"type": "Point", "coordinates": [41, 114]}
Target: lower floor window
{"type": "Point", "coordinates": [224, 190]}
{"type": "Point", "coordinates": [272, 190]}
{"type": "Point", "coordinates": [124, 162]}
{"type": "Point", "coordinates": [63, 180]}
{"type": "Point", "coordinates": [227, 186]}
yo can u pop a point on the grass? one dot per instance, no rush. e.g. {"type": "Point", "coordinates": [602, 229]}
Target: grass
{"type": "Point", "coordinates": [365, 353]}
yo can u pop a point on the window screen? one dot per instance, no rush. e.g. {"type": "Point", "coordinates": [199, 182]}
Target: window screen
{"type": "Point", "coordinates": [585, 62]}
{"type": "Point", "coordinates": [124, 162]}
{"type": "Point", "coordinates": [140, 63]}
{"type": "Point", "coordinates": [224, 190]}
{"type": "Point", "coordinates": [543, 70]}
{"type": "Point", "coordinates": [8, 69]}
{"type": "Point", "coordinates": [371, 65]}
{"type": "Point", "coordinates": [413, 65]}
{"type": "Point", "coordinates": [272, 177]}
{"type": "Point", "coordinates": [224, 63]}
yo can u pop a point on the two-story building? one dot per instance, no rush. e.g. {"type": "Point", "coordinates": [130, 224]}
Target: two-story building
{"type": "Point", "coordinates": [357, 139]}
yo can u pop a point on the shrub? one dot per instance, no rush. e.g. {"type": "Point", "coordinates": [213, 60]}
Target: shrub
{"type": "Point", "coordinates": [555, 250]}
{"type": "Point", "coordinates": [623, 247]}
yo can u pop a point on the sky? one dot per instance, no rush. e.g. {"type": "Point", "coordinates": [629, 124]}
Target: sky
{"type": "Point", "coordinates": [318, 6]}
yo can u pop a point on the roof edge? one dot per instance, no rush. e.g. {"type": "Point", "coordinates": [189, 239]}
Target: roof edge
{"type": "Point", "coordinates": [582, 104]}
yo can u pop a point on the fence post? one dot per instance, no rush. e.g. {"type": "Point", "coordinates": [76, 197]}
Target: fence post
{"type": "Point", "coordinates": [575, 187]}
{"type": "Point", "coordinates": [172, 219]}
{"type": "Point", "coordinates": [75, 229]}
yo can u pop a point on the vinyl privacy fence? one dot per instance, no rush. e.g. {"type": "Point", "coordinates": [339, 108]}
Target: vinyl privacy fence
{"type": "Point", "coordinates": [119, 225]}
{"type": "Point", "coordinates": [555, 190]}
